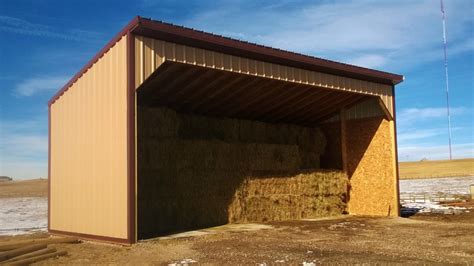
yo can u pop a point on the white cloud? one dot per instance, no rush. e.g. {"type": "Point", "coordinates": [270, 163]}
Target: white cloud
{"type": "Point", "coordinates": [409, 116]}
{"type": "Point", "coordinates": [372, 33]}
{"type": "Point", "coordinates": [419, 134]}
{"type": "Point", "coordinates": [434, 152]}
{"type": "Point", "coordinates": [23, 148]}
{"type": "Point", "coordinates": [369, 61]}
{"type": "Point", "coordinates": [24, 169]}
{"type": "Point", "coordinates": [20, 26]}
{"type": "Point", "coordinates": [32, 86]}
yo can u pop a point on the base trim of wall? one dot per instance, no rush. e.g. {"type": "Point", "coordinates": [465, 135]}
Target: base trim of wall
{"type": "Point", "coordinates": [107, 239]}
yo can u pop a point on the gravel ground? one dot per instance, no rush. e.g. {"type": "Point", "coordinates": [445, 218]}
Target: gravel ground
{"type": "Point", "coordinates": [422, 239]}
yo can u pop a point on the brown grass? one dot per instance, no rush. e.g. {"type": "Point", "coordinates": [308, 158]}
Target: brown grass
{"type": "Point", "coordinates": [24, 188]}
{"type": "Point", "coordinates": [430, 169]}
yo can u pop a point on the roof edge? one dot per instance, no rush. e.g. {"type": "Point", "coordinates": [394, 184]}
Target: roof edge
{"type": "Point", "coordinates": [127, 29]}
{"type": "Point", "coordinates": [188, 36]}
{"type": "Point", "coordinates": [205, 40]}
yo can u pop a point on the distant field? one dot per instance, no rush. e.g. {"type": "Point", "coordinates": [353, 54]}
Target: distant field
{"type": "Point", "coordinates": [408, 170]}
{"type": "Point", "coordinates": [429, 169]}
{"type": "Point", "coordinates": [24, 188]}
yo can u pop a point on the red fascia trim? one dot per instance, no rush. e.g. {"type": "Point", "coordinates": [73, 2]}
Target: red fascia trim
{"type": "Point", "coordinates": [130, 26]}
{"type": "Point", "coordinates": [49, 167]}
{"type": "Point", "coordinates": [107, 239]}
{"type": "Point", "coordinates": [131, 212]}
{"type": "Point", "coordinates": [187, 36]}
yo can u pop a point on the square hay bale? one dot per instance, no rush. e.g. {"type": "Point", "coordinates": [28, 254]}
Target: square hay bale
{"type": "Point", "coordinates": [157, 122]}
{"type": "Point", "coordinates": [196, 171]}
{"type": "Point", "coordinates": [306, 195]}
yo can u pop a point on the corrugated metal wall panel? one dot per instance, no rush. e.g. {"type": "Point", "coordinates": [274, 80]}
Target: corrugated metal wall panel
{"type": "Point", "coordinates": [89, 151]}
{"type": "Point", "coordinates": [147, 48]}
{"type": "Point", "coordinates": [366, 109]}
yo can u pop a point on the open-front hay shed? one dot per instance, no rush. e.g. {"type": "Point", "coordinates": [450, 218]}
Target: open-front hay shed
{"type": "Point", "coordinates": [169, 129]}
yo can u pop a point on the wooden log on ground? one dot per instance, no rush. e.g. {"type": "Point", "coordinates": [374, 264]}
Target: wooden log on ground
{"type": "Point", "coordinates": [20, 251]}
{"type": "Point", "coordinates": [47, 241]}
{"type": "Point", "coordinates": [32, 254]}
{"type": "Point", "coordinates": [38, 258]}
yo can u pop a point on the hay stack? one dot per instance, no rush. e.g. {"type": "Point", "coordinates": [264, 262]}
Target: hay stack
{"type": "Point", "coordinates": [306, 195]}
{"type": "Point", "coordinates": [196, 171]}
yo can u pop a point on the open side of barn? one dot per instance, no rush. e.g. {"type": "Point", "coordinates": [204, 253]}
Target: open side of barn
{"type": "Point", "coordinates": [170, 129]}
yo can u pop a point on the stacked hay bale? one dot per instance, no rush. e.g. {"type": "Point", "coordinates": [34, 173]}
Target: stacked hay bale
{"type": "Point", "coordinates": [196, 171]}
{"type": "Point", "coordinates": [306, 195]}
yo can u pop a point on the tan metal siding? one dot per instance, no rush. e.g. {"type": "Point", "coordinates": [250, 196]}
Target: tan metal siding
{"type": "Point", "coordinates": [366, 109]}
{"type": "Point", "coordinates": [148, 50]}
{"type": "Point", "coordinates": [89, 151]}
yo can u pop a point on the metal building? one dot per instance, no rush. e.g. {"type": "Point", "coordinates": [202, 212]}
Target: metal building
{"type": "Point", "coordinates": [93, 118]}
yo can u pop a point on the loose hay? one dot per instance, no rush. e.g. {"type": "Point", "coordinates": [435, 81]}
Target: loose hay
{"type": "Point", "coordinates": [196, 171]}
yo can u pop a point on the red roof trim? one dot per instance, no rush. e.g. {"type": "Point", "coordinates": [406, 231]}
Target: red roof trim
{"type": "Point", "coordinates": [200, 39]}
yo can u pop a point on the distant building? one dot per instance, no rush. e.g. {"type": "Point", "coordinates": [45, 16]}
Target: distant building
{"type": "Point", "coordinates": [5, 178]}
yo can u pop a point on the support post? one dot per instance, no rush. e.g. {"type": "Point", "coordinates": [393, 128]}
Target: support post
{"type": "Point", "coordinates": [131, 133]}
{"type": "Point", "coordinates": [343, 139]}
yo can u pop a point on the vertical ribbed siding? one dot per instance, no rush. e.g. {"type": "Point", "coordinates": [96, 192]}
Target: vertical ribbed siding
{"type": "Point", "coordinates": [150, 53]}
{"type": "Point", "coordinates": [366, 109]}
{"type": "Point", "coordinates": [89, 151]}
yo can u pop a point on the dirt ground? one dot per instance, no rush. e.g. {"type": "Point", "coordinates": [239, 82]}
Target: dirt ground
{"type": "Point", "coordinates": [428, 238]}
{"type": "Point", "coordinates": [24, 188]}
{"type": "Point", "coordinates": [423, 238]}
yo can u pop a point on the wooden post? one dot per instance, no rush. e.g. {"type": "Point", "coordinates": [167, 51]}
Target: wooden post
{"type": "Point", "coordinates": [343, 139]}
{"type": "Point", "coordinates": [20, 251]}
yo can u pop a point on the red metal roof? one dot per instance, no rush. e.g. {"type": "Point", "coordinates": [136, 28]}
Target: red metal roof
{"type": "Point", "coordinates": [191, 37]}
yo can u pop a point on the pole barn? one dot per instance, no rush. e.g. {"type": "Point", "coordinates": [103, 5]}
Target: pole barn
{"type": "Point", "coordinates": [169, 128]}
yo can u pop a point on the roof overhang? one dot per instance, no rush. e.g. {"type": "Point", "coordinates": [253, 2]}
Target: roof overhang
{"type": "Point", "coordinates": [204, 40]}
{"type": "Point", "coordinates": [190, 37]}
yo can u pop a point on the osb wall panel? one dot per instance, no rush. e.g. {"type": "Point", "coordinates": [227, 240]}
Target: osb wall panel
{"type": "Point", "coordinates": [89, 151]}
{"type": "Point", "coordinates": [371, 167]}
{"type": "Point", "coordinates": [196, 171]}
{"type": "Point", "coordinates": [151, 53]}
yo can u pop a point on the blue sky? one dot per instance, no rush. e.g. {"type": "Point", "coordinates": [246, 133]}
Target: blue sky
{"type": "Point", "coordinates": [44, 43]}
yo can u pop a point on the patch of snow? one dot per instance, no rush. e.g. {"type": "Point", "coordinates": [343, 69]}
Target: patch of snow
{"type": "Point", "coordinates": [183, 262]}
{"type": "Point", "coordinates": [423, 195]}
{"type": "Point", "coordinates": [23, 215]}
{"type": "Point", "coordinates": [430, 207]}
{"type": "Point", "coordinates": [433, 186]}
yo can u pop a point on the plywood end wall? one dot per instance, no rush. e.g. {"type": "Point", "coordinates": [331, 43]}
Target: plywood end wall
{"type": "Point", "coordinates": [370, 158]}
{"type": "Point", "coordinates": [371, 167]}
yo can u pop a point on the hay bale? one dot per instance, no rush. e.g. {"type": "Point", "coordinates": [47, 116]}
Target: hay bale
{"type": "Point", "coordinates": [306, 195]}
{"type": "Point", "coordinates": [157, 122]}
{"type": "Point", "coordinates": [196, 171]}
